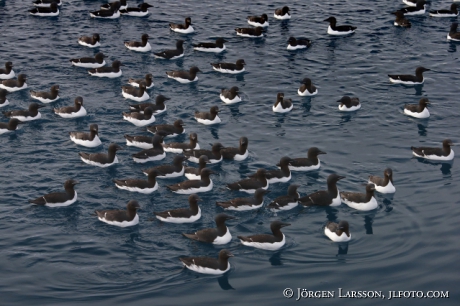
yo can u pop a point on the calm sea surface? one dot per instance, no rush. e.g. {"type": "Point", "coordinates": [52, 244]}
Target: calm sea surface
{"type": "Point", "coordinates": [65, 256]}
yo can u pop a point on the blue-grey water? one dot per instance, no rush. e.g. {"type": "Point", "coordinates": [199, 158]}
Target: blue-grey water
{"type": "Point", "coordinates": [65, 256]}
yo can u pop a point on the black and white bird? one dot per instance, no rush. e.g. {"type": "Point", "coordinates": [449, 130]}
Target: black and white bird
{"type": "Point", "coordinates": [57, 199]}
{"type": "Point", "coordinates": [148, 80]}
{"type": "Point", "coordinates": [142, 142]}
{"type": "Point", "coordinates": [419, 110]}
{"type": "Point", "coordinates": [204, 184]}
{"type": "Point", "coordinates": [250, 32]}
{"type": "Point", "coordinates": [195, 173]}
{"type": "Point", "coordinates": [258, 21]}
{"type": "Point", "coordinates": [334, 29]}
{"type": "Point", "coordinates": [238, 67]}
{"type": "Point", "coordinates": [107, 72]}
{"type": "Point", "coordinates": [175, 169]}
{"type": "Point", "coordinates": [90, 41]}
{"type": "Point", "coordinates": [218, 235]}
{"type": "Point", "coordinates": [173, 53]}
{"type": "Point", "coordinates": [400, 21]}
{"type": "Point", "coordinates": [238, 154]}
{"type": "Point", "coordinates": [329, 197]}
{"type": "Point", "coordinates": [152, 154]}
{"type": "Point", "coordinates": [184, 77]}
{"type": "Point", "coordinates": [230, 96]}
{"type": "Point", "coordinates": [281, 175]}
{"type": "Point", "coordinates": [138, 94]}
{"type": "Point", "coordinates": [158, 107]}
{"type": "Point", "coordinates": [185, 28]}
{"type": "Point", "coordinates": [444, 153]}
{"type": "Point", "coordinates": [244, 204]}
{"type": "Point", "coordinates": [298, 43]}
{"type": "Point", "coordinates": [348, 104]}
{"type": "Point", "coordinates": [265, 241]}
{"type": "Point", "coordinates": [11, 125]}
{"type": "Point", "coordinates": [286, 202]}
{"type": "Point", "coordinates": [383, 184]}
{"type": "Point", "coordinates": [282, 105]}
{"type": "Point", "coordinates": [107, 6]}
{"type": "Point", "coordinates": [137, 185]}
{"type": "Point", "coordinates": [51, 11]}
{"type": "Point", "coordinates": [46, 3]}
{"type": "Point", "coordinates": [89, 140]}
{"type": "Point", "coordinates": [182, 215]}
{"type": "Point", "coordinates": [409, 79]}
{"type": "Point", "coordinates": [169, 130]}
{"type": "Point", "coordinates": [361, 201]}
{"type": "Point", "coordinates": [338, 232]}
{"type": "Point", "coordinates": [45, 96]}
{"type": "Point", "coordinates": [282, 13]}
{"type": "Point", "coordinates": [121, 218]}
{"type": "Point", "coordinates": [207, 265]}
{"type": "Point", "coordinates": [453, 34]}
{"type": "Point", "coordinates": [251, 184]}
{"type": "Point", "coordinates": [419, 9]}
{"type": "Point", "coordinates": [3, 100]}
{"type": "Point", "coordinates": [101, 159]}
{"type": "Point", "coordinates": [214, 155]}
{"type": "Point", "coordinates": [208, 118]}
{"type": "Point", "coordinates": [75, 111]}
{"type": "Point", "coordinates": [140, 119]}
{"type": "Point", "coordinates": [180, 147]}
{"type": "Point", "coordinates": [90, 62]}
{"type": "Point", "coordinates": [311, 162]}
{"type": "Point", "coordinates": [140, 11]}
{"type": "Point", "coordinates": [29, 114]}
{"type": "Point", "coordinates": [139, 46]}
{"type": "Point", "coordinates": [307, 88]}
{"type": "Point", "coordinates": [8, 72]}
{"type": "Point", "coordinates": [14, 85]}
{"type": "Point", "coordinates": [112, 13]}
{"type": "Point", "coordinates": [216, 47]}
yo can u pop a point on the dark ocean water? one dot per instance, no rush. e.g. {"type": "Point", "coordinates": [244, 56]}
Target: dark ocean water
{"type": "Point", "coordinates": [57, 256]}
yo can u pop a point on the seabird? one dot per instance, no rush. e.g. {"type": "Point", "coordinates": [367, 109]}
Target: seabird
{"type": "Point", "coordinates": [250, 32]}
{"type": "Point", "coordinates": [3, 100]}
{"type": "Point", "coordinates": [204, 184]}
{"type": "Point", "coordinates": [90, 62]}
{"type": "Point", "coordinates": [138, 94]}
{"type": "Point", "coordinates": [11, 125]}
{"type": "Point", "coordinates": [230, 96]}
{"type": "Point", "coordinates": [108, 72]}
{"type": "Point", "coordinates": [453, 34]}
{"type": "Point", "coordinates": [267, 242]}
{"type": "Point", "coordinates": [281, 175]}
{"type": "Point", "coordinates": [216, 47]}
{"type": "Point", "coordinates": [251, 184]}
{"type": "Point", "coordinates": [385, 184]}
{"type": "Point", "coordinates": [29, 114]}
{"type": "Point", "coordinates": [418, 110]}
{"type": "Point", "coordinates": [101, 159]}
{"type": "Point", "coordinates": [407, 78]}
{"type": "Point", "coordinates": [121, 218]}
{"type": "Point", "coordinates": [140, 11]}
{"type": "Point", "coordinates": [57, 199]}
{"type": "Point", "coordinates": [8, 72]}
{"type": "Point", "coordinates": [208, 118]}
{"type": "Point", "coordinates": [148, 81]}
{"type": "Point", "coordinates": [182, 28]}
{"type": "Point", "coordinates": [419, 9]}
{"type": "Point", "coordinates": [90, 41]}
{"type": "Point", "coordinates": [139, 119]}
{"type": "Point", "coordinates": [170, 130]}
{"type": "Point", "coordinates": [238, 67]}
{"type": "Point", "coordinates": [175, 169]}
{"type": "Point", "coordinates": [333, 29]}
{"type": "Point", "coordinates": [312, 161]}
{"type": "Point", "coordinates": [139, 46]}
{"type": "Point", "coordinates": [282, 105]}
{"type": "Point", "coordinates": [180, 147]}
{"type": "Point", "coordinates": [286, 202]}
{"type": "Point", "coordinates": [209, 265]}
{"type": "Point", "coordinates": [337, 232]}
{"type": "Point", "coordinates": [123, 5]}
{"type": "Point", "coordinates": [157, 108]}
{"type": "Point", "coordinates": [182, 215]}
{"type": "Point", "coordinates": [282, 13]}
{"type": "Point", "coordinates": [348, 104]}
{"type": "Point", "coordinates": [46, 3]}
{"type": "Point", "coordinates": [219, 235]}
{"type": "Point", "coordinates": [258, 21]}
{"type": "Point", "coordinates": [296, 44]}
{"type": "Point", "coordinates": [243, 204]}
{"type": "Point", "coordinates": [142, 186]}
{"type": "Point", "coordinates": [89, 140]}
{"type": "Point", "coordinates": [14, 85]}
{"type": "Point", "coordinates": [240, 153]}
{"type": "Point", "coordinates": [184, 76]}
{"type": "Point", "coordinates": [329, 197]}
{"type": "Point", "coordinates": [72, 111]}
{"type": "Point", "coordinates": [361, 201]}
{"type": "Point", "coordinates": [400, 21]}
{"type": "Point", "coordinates": [214, 155]}
{"type": "Point", "coordinates": [112, 13]}
{"type": "Point", "coordinates": [172, 54]}
{"type": "Point", "coordinates": [444, 153]}
{"type": "Point", "coordinates": [307, 88]}
{"type": "Point", "coordinates": [152, 154]}
{"type": "Point", "coordinates": [195, 173]}
{"type": "Point", "coordinates": [50, 11]}
{"type": "Point", "coordinates": [46, 97]}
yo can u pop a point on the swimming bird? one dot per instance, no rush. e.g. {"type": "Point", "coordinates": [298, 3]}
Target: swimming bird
{"type": "Point", "coordinates": [444, 153]}
{"type": "Point", "coordinates": [410, 2]}
{"type": "Point", "coordinates": [195, 173]}
{"type": "Point", "coordinates": [44, 96]}
{"type": "Point", "coordinates": [152, 154]}
{"type": "Point", "coordinates": [72, 111]}
{"type": "Point", "coordinates": [158, 107]}
{"type": "Point", "coordinates": [175, 169]}
{"type": "Point", "coordinates": [29, 114]}
{"type": "Point", "coordinates": [179, 147]}
{"type": "Point", "coordinates": [90, 41]}
{"type": "Point", "coordinates": [142, 186]}
{"type": "Point", "coordinates": [409, 79]}
{"type": "Point", "coordinates": [14, 85]}
{"type": "Point", "coordinates": [107, 6]}
{"type": "Point", "coordinates": [51, 11]}
{"type": "Point", "coordinates": [121, 218]}
{"type": "Point", "coordinates": [8, 72]}
{"type": "Point", "coordinates": [89, 140]}
{"type": "Point", "coordinates": [101, 159]}
{"type": "Point", "coordinates": [361, 201]}
{"type": "Point", "coordinates": [453, 12]}
{"type": "Point", "coordinates": [143, 142]}
{"type": "Point", "coordinates": [90, 62]}
{"type": "Point", "coordinates": [240, 153]}
{"type": "Point", "coordinates": [418, 110]}
{"type": "Point", "coordinates": [419, 9]}
{"type": "Point", "coordinates": [282, 13]}
{"type": "Point", "coordinates": [307, 88]}
{"type": "Point", "coordinates": [219, 235]}
{"type": "Point", "coordinates": [258, 21]}
{"type": "Point", "coordinates": [148, 80]}
{"type": "Point", "coordinates": [3, 100]}
{"type": "Point", "coordinates": [453, 34]}
{"type": "Point", "coordinates": [136, 94]}
{"type": "Point", "coordinates": [281, 175]}
{"type": "Point", "coordinates": [383, 184]}
{"type": "Point", "coordinates": [139, 46]}
{"type": "Point", "coordinates": [230, 96]}
{"type": "Point", "coordinates": [265, 241]}
{"type": "Point", "coordinates": [207, 265]}
{"type": "Point", "coordinates": [170, 130]}
{"type": "Point", "coordinates": [282, 105]}
{"type": "Point", "coordinates": [251, 184]}
{"type": "Point", "coordinates": [140, 11]}
{"type": "Point", "coordinates": [329, 197]}
{"type": "Point", "coordinates": [108, 72]}
{"type": "Point", "coordinates": [204, 184]}
{"type": "Point", "coordinates": [338, 232]}
{"type": "Point", "coordinates": [12, 125]}
{"type": "Point", "coordinates": [183, 28]}
{"type": "Point", "coordinates": [139, 119]}
{"type": "Point", "coordinates": [57, 199]}
{"type": "Point", "coordinates": [182, 215]}
{"type": "Point", "coordinates": [286, 202]}
{"type": "Point", "coordinates": [348, 104]}
{"type": "Point", "coordinates": [172, 54]}
{"type": "Point", "coordinates": [216, 47]}
{"type": "Point", "coordinates": [46, 3]}
{"type": "Point", "coordinates": [400, 21]}
{"type": "Point", "coordinates": [250, 32]}
{"type": "Point", "coordinates": [310, 163]}
{"type": "Point", "coordinates": [112, 13]}
{"type": "Point", "coordinates": [208, 118]}
{"type": "Point", "coordinates": [244, 204]}
{"type": "Point", "coordinates": [238, 67]}
{"type": "Point", "coordinates": [214, 155]}
{"type": "Point", "coordinates": [184, 76]}
{"type": "Point", "coordinates": [296, 44]}
{"type": "Point", "coordinates": [333, 29]}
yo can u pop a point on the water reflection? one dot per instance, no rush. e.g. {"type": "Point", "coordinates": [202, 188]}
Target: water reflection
{"type": "Point", "coordinates": [275, 259]}
{"type": "Point", "coordinates": [422, 129]}
{"type": "Point", "coordinates": [368, 220]}
{"type": "Point", "coordinates": [446, 165]}
{"type": "Point", "coordinates": [342, 248]}
{"type": "Point", "coordinates": [223, 282]}
{"type": "Point", "coordinates": [452, 46]}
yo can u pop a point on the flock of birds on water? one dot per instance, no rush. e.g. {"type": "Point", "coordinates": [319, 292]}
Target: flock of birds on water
{"type": "Point", "coordinates": [154, 148]}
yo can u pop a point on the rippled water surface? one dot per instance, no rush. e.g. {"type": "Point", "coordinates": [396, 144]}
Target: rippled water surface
{"type": "Point", "coordinates": [66, 256]}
